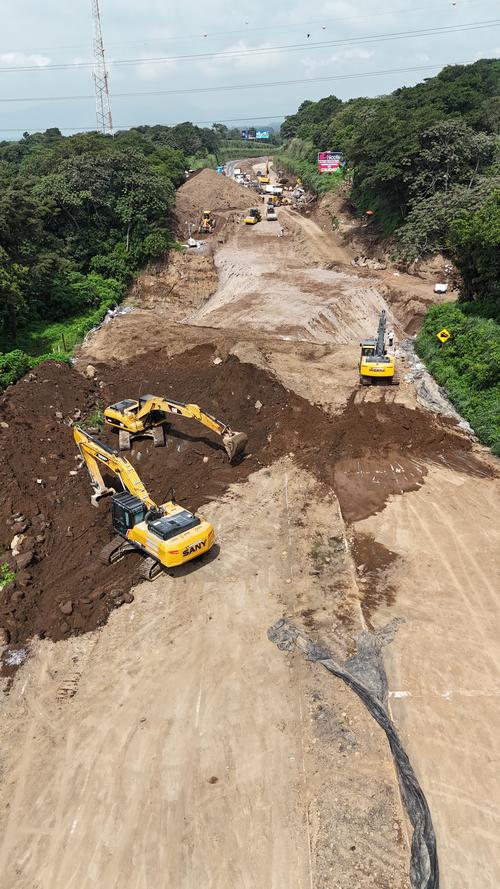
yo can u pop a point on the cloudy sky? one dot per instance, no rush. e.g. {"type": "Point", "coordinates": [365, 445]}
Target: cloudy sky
{"type": "Point", "coordinates": [176, 56]}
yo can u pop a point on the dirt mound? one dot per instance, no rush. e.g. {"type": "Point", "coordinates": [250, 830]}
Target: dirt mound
{"type": "Point", "coordinates": [60, 586]}
{"type": "Point", "coordinates": [210, 191]}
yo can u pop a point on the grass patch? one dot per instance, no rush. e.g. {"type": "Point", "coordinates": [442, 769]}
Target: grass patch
{"type": "Point", "coordinates": [467, 366]}
{"type": "Point", "coordinates": [41, 341]}
{"type": "Point", "coordinates": [96, 420]}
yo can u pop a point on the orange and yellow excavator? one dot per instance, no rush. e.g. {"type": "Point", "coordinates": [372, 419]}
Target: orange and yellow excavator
{"type": "Point", "coordinates": [207, 223]}
{"type": "Point", "coordinates": [148, 415]}
{"type": "Point", "coordinates": [166, 535]}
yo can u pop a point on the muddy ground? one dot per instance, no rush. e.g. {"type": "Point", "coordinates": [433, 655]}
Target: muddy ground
{"type": "Point", "coordinates": [63, 588]}
{"type": "Point", "coordinates": [228, 762]}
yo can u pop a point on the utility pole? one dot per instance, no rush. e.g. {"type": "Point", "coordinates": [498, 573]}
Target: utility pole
{"type": "Point", "coordinates": [103, 107]}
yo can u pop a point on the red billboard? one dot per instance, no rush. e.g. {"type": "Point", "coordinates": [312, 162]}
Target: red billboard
{"type": "Point", "coordinates": [329, 161]}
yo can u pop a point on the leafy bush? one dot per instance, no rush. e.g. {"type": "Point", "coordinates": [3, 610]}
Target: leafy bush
{"type": "Point", "coordinates": [475, 239]}
{"type": "Point", "coordinates": [467, 366]}
{"type": "Point", "coordinates": [6, 575]}
{"type": "Point", "coordinates": [14, 365]}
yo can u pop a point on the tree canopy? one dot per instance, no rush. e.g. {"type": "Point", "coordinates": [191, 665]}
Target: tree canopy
{"type": "Point", "coordinates": [421, 157]}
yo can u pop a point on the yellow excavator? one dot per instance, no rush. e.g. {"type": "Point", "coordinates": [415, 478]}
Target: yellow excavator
{"type": "Point", "coordinates": [375, 365]}
{"type": "Point", "coordinates": [148, 415]}
{"type": "Point", "coordinates": [263, 175]}
{"type": "Point", "coordinates": [167, 535]}
{"type": "Point", "coordinates": [207, 223]}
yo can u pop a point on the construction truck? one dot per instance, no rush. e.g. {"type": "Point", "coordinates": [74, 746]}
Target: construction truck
{"type": "Point", "coordinates": [207, 223]}
{"type": "Point", "coordinates": [271, 214]}
{"type": "Point", "coordinates": [148, 415]}
{"type": "Point", "coordinates": [166, 535]}
{"type": "Point", "coordinates": [375, 365]}
{"type": "Point", "coordinates": [253, 216]}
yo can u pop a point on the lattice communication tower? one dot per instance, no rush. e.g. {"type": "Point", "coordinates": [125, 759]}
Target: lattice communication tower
{"type": "Point", "coordinates": [103, 107]}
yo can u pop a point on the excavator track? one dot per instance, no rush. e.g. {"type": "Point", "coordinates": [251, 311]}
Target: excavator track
{"type": "Point", "coordinates": [124, 440]}
{"type": "Point", "coordinates": [115, 550]}
{"type": "Point", "coordinates": [158, 435]}
{"type": "Point", "coordinates": [150, 569]}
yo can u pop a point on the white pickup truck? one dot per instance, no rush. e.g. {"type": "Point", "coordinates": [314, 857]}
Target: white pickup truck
{"type": "Point", "coordinates": [274, 189]}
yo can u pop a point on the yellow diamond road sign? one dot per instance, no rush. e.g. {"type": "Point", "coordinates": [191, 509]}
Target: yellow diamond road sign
{"type": "Point", "coordinates": [443, 335]}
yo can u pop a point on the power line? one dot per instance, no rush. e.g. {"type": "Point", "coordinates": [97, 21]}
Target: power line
{"type": "Point", "coordinates": [203, 34]}
{"type": "Point", "coordinates": [238, 86]}
{"type": "Point", "coordinates": [292, 47]}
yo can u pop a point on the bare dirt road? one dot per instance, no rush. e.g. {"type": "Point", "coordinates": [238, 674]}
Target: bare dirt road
{"type": "Point", "coordinates": [174, 744]}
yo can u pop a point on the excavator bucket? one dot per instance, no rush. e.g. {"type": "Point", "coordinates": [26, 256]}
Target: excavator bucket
{"type": "Point", "coordinates": [235, 444]}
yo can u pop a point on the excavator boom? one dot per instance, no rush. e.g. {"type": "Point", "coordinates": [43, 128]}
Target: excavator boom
{"type": "Point", "coordinates": [96, 454]}
{"type": "Point", "coordinates": [380, 347]}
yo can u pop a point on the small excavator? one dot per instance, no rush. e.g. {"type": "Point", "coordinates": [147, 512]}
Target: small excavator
{"type": "Point", "coordinates": [375, 365]}
{"type": "Point", "coordinates": [167, 535]}
{"type": "Point", "coordinates": [263, 175]}
{"type": "Point", "coordinates": [148, 415]}
{"type": "Point", "coordinates": [207, 223]}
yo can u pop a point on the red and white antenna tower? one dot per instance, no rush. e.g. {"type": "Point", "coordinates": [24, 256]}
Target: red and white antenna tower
{"type": "Point", "coordinates": [103, 107]}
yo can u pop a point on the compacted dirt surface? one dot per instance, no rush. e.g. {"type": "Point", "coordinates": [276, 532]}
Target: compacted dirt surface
{"type": "Point", "coordinates": [150, 733]}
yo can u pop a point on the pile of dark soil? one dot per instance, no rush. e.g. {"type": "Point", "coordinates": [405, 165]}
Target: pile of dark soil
{"type": "Point", "coordinates": [60, 587]}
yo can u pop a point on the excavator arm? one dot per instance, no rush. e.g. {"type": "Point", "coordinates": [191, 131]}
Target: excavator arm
{"type": "Point", "coordinates": [192, 411]}
{"type": "Point", "coordinates": [96, 454]}
{"type": "Point", "coordinates": [234, 442]}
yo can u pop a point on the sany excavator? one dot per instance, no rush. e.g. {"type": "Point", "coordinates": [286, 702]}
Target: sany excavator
{"type": "Point", "coordinates": [207, 223]}
{"type": "Point", "coordinates": [148, 415]}
{"type": "Point", "coordinates": [375, 364]}
{"type": "Point", "coordinates": [167, 535]}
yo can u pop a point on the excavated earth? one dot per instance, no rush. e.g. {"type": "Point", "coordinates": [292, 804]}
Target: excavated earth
{"type": "Point", "coordinates": [209, 191]}
{"type": "Point", "coordinates": [61, 588]}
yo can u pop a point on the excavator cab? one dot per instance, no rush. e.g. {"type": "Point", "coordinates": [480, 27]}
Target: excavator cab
{"type": "Point", "coordinates": [368, 348]}
{"type": "Point", "coordinates": [127, 511]}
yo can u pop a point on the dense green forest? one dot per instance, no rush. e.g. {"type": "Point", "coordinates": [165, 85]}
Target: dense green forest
{"type": "Point", "coordinates": [426, 161]}
{"type": "Point", "coordinates": [418, 155]}
{"type": "Point", "coordinates": [79, 216]}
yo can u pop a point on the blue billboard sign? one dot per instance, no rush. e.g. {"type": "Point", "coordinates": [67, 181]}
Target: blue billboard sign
{"type": "Point", "coordinates": [262, 134]}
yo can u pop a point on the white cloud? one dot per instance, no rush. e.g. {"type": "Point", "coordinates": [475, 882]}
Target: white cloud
{"type": "Point", "coordinates": [151, 70]}
{"type": "Point", "coordinates": [341, 56]}
{"type": "Point", "coordinates": [20, 59]}
{"type": "Point", "coordinates": [238, 61]}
